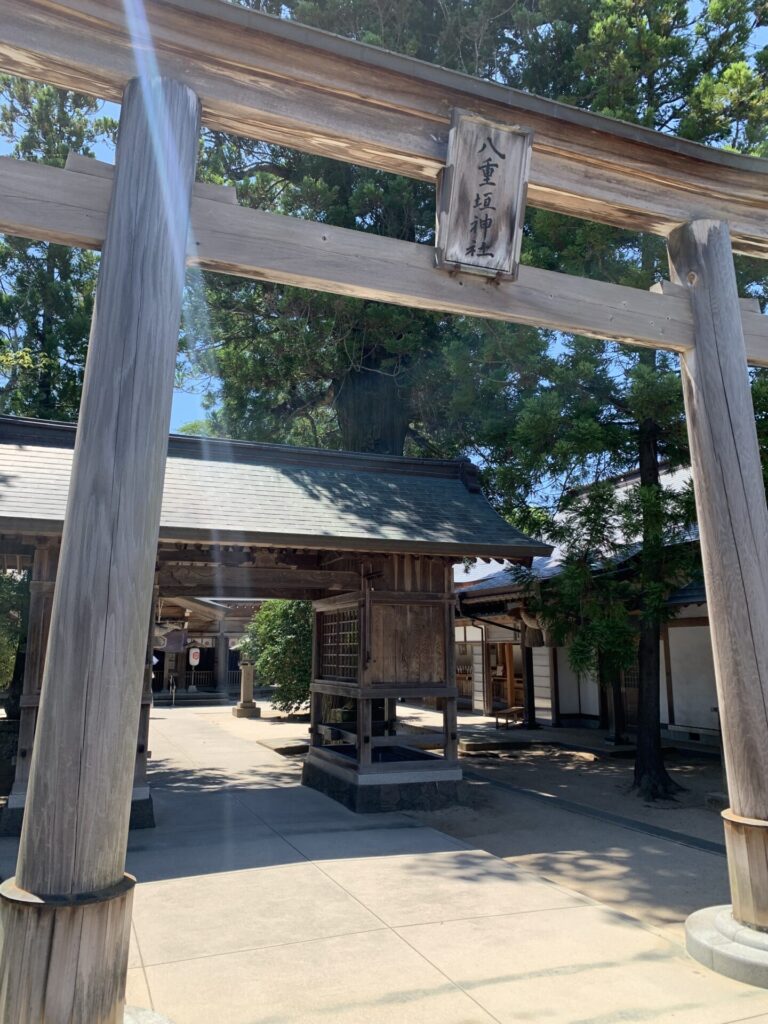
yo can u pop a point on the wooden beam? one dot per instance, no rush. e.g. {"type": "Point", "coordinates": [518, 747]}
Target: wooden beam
{"type": "Point", "coordinates": [311, 255]}
{"type": "Point", "coordinates": [216, 612]}
{"type": "Point", "coordinates": [269, 78]}
{"type": "Point", "coordinates": [245, 593]}
{"type": "Point", "coordinates": [213, 581]}
{"type": "Point", "coordinates": [242, 557]}
{"type": "Point", "coordinates": [8, 546]}
{"type": "Point", "coordinates": [70, 207]}
{"type": "Point", "coordinates": [101, 169]}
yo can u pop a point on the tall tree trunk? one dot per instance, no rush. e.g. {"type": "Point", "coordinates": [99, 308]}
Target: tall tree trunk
{"type": "Point", "coordinates": [651, 778]}
{"type": "Point", "coordinates": [373, 412]}
{"type": "Point", "coordinates": [611, 678]}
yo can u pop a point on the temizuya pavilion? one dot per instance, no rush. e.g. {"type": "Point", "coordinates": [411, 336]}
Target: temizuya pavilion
{"type": "Point", "coordinates": [370, 539]}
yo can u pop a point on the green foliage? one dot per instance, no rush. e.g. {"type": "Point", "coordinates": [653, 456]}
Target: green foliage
{"type": "Point", "coordinates": [279, 641]}
{"type": "Point", "coordinates": [46, 290]}
{"type": "Point", "coordinates": [608, 584]}
{"type": "Point", "coordinates": [283, 364]}
{"type": "Point", "coordinates": [14, 607]}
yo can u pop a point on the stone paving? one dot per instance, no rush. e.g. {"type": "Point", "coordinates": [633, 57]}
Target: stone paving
{"type": "Point", "coordinates": [261, 902]}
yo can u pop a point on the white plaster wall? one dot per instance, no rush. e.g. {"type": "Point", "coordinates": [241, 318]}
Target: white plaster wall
{"type": "Point", "coordinates": [568, 684]}
{"type": "Point", "coordinates": [693, 678]}
{"type": "Point", "coordinates": [500, 635]}
{"type": "Point", "coordinates": [590, 696]}
{"type": "Point", "coordinates": [578, 694]}
{"type": "Point", "coordinates": [664, 704]}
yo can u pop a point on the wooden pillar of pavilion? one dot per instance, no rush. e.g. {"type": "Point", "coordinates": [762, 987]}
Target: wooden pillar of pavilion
{"type": "Point", "coordinates": [222, 662]}
{"type": "Point", "coordinates": [142, 811]}
{"type": "Point", "coordinates": [66, 915]}
{"type": "Point", "coordinates": [733, 525]}
{"type": "Point", "coordinates": [529, 715]}
{"type": "Point", "coordinates": [391, 639]}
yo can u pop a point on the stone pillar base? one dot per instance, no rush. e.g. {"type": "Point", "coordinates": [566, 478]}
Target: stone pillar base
{"type": "Point", "coordinates": [390, 795]}
{"type": "Point", "coordinates": [715, 939]}
{"type": "Point", "coordinates": [746, 843]}
{"type": "Point", "coordinates": [64, 959]}
{"type": "Point", "coordinates": [137, 1015]}
{"type": "Point", "coordinates": [246, 709]}
{"type": "Point", "coordinates": [142, 814]}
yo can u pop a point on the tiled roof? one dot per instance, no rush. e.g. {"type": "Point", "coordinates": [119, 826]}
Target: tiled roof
{"type": "Point", "coordinates": [510, 580]}
{"type": "Point", "coordinates": [239, 492]}
{"type": "Point", "coordinates": [512, 577]}
{"type": "Point", "coordinates": [691, 593]}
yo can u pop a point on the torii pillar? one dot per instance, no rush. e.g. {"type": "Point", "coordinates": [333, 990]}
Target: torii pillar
{"type": "Point", "coordinates": [733, 525]}
{"type": "Point", "coordinates": [66, 915]}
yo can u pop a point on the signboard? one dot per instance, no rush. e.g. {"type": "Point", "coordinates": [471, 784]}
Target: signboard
{"type": "Point", "coordinates": [194, 656]}
{"type": "Point", "coordinates": [172, 642]}
{"type": "Point", "coordinates": [481, 205]}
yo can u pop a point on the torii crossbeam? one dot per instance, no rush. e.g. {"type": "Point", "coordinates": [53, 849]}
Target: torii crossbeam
{"type": "Point", "coordinates": [173, 62]}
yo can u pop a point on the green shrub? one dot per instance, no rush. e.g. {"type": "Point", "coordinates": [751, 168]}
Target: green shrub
{"type": "Point", "coordinates": [278, 639]}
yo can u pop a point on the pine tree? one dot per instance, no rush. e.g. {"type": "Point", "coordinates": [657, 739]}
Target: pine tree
{"type": "Point", "coordinates": [46, 290]}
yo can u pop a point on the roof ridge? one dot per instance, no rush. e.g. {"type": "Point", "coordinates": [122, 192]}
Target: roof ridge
{"type": "Point", "coordinates": [31, 430]}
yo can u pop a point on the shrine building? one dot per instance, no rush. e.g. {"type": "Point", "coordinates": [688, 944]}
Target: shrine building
{"type": "Point", "coordinates": [369, 539]}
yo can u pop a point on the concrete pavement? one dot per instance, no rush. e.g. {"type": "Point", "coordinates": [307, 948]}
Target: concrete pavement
{"type": "Point", "coordinates": [261, 902]}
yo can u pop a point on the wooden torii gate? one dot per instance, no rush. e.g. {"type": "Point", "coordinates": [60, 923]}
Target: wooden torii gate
{"type": "Point", "coordinates": [65, 915]}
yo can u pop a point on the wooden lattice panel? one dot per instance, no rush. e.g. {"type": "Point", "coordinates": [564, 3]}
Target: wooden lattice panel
{"type": "Point", "coordinates": [339, 644]}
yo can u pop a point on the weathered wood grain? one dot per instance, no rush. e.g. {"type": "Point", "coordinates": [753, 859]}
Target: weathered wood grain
{"type": "Point", "coordinates": [746, 843]}
{"type": "Point", "coordinates": [75, 828]}
{"type": "Point", "coordinates": [311, 255]}
{"type": "Point", "coordinates": [730, 500]}
{"type": "Point", "coordinates": [68, 207]}
{"type": "Point", "coordinates": [64, 963]}
{"type": "Point", "coordinates": [481, 197]}
{"type": "Point", "coordinates": [269, 78]}
{"type": "Point", "coordinates": [101, 169]}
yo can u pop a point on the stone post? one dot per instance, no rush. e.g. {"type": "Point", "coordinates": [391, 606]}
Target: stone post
{"type": "Point", "coordinates": [246, 706]}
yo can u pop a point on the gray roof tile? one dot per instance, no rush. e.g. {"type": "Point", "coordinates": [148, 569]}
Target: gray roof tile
{"type": "Point", "coordinates": [238, 492]}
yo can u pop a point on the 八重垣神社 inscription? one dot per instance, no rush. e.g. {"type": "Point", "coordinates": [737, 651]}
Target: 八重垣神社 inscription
{"type": "Point", "coordinates": [482, 197]}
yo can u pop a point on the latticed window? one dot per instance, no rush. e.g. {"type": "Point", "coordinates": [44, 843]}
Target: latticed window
{"type": "Point", "coordinates": [339, 644]}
